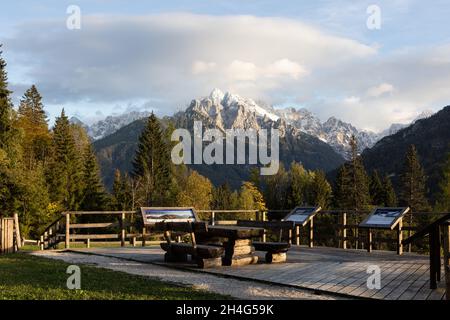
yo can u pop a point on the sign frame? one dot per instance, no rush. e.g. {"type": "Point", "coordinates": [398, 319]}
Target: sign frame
{"type": "Point", "coordinates": [314, 211]}
{"type": "Point", "coordinates": [146, 223]}
{"type": "Point", "coordinates": [391, 226]}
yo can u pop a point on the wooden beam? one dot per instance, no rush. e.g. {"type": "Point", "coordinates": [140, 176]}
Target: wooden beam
{"type": "Point", "coordinates": [17, 230]}
{"type": "Point", "coordinates": [311, 233]}
{"type": "Point", "coordinates": [344, 230]}
{"type": "Point", "coordinates": [369, 240]}
{"type": "Point", "coordinates": [67, 230]}
{"type": "Point", "coordinates": [92, 225]}
{"type": "Point", "coordinates": [400, 237]}
{"type": "Point", "coordinates": [122, 231]}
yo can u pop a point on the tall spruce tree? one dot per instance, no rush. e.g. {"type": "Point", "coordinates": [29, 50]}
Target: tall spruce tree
{"type": "Point", "coordinates": [94, 196]}
{"type": "Point", "coordinates": [152, 164]}
{"type": "Point", "coordinates": [5, 106]}
{"type": "Point", "coordinates": [443, 198]}
{"type": "Point", "coordinates": [389, 196]}
{"type": "Point", "coordinates": [32, 119]}
{"type": "Point", "coordinates": [65, 170]}
{"type": "Point", "coordinates": [413, 183]}
{"type": "Point", "coordinates": [352, 185]}
{"type": "Point", "coordinates": [321, 191]}
{"type": "Point", "coordinates": [377, 189]}
{"type": "Point", "coordinates": [10, 148]}
{"type": "Point", "coordinates": [122, 193]}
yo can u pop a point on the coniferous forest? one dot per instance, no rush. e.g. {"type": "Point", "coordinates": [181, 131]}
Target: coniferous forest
{"type": "Point", "coordinates": [47, 170]}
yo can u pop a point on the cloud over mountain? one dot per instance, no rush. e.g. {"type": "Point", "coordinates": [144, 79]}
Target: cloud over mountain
{"type": "Point", "coordinates": [168, 58]}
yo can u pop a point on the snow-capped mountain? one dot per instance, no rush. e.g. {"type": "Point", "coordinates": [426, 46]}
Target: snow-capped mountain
{"type": "Point", "coordinates": [231, 111]}
{"type": "Point", "coordinates": [111, 124]}
{"type": "Point", "coordinates": [228, 110]}
{"type": "Point", "coordinates": [395, 127]}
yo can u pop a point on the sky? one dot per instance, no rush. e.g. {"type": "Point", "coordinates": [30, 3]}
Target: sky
{"type": "Point", "coordinates": [159, 55]}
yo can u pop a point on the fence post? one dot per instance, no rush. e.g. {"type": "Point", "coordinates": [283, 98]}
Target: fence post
{"type": "Point", "coordinates": [446, 230]}
{"type": "Point", "coordinates": [143, 236]}
{"type": "Point", "coordinates": [122, 231]}
{"type": "Point", "coordinates": [297, 235]}
{"type": "Point", "coordinates": [17, 230]}
{"type": "Point", "coordinates": [344, 230]}
{"type": "Point", "coordinates": [41, 243]}
{"type": "Point", "coordinates": [264, 219]}
{"type": "Point", "coordinates": [311, 232]}
{"type": "Point", "coordinates": [400, 237]}
{"type": "Point", "coordinates": [88, 243]}
{"type": "Point", "coordinates": [369, 240]}
{"type": "Point", "coordinates": [213, 218]}
{"type": "Point", "coordinates": [67, 230]}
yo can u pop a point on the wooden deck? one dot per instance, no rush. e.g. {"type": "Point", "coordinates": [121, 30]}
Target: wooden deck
{"type": "Point", "coordinates": [323, 270]}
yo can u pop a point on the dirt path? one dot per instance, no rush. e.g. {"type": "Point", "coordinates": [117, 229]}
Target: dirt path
{"type": "Point", "coordinates": [226, 286]}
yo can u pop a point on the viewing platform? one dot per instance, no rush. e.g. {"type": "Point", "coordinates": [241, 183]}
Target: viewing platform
{"type": "Point", "coordinates": [323, 270]}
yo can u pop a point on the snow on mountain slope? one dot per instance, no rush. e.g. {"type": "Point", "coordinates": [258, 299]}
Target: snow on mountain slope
{"type": "Point", "coordinates": [111, 124]}
{"type": "Point", "coordinates": [228, 110]}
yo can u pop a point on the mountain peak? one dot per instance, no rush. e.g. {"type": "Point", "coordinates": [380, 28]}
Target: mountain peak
{"type": "Point", "coordinates": [216, 96]}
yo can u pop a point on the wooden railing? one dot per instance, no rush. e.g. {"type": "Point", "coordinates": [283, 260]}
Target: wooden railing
{"type": "Point", "coordinates": [433, 231]}
{"type": "Point", "coordinates": [335, 228]}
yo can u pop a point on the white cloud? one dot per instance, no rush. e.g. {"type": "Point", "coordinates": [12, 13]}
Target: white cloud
{"type": "Point", "coordinates": [199, 67]}
{"type": "Point", "coordinates": [380, 90]}
{"type": "Point", "coordinates": [168, 59]}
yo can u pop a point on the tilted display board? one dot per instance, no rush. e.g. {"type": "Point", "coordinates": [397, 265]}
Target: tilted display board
{"type": "Point", "coordinates": [302, 215]}
{"type": "Point", "coordinates": [384, 218]}
{"type": "Point", "coordinates": [151, 215]}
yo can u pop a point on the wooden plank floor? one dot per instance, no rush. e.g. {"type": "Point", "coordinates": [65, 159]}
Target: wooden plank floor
{"type": "Point", "coordinates": [327, 270]}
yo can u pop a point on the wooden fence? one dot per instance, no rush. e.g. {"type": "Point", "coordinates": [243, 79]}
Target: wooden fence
{"type": "Point", "coordinates": [10, 240]}
{"type": "Point", "coordinates": [337, 228]}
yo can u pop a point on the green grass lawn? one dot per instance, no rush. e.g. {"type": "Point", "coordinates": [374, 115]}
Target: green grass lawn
{"type": "Point", "coordinates": [24, 277]}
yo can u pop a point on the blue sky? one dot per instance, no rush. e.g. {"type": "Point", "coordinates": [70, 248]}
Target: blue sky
{"type": "Point", "coordinates": [161, 54]}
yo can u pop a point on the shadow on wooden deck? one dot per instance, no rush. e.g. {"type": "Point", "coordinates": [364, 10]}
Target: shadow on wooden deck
{"type": "Point", "coordinates": [327, 270]}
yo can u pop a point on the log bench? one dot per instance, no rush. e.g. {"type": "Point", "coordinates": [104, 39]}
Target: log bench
{"type": "Point", "coordinates": [276, 252]}
{"type": "Point", "coordinates": [206, 256]}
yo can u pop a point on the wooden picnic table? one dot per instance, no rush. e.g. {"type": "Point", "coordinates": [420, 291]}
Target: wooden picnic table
{"type": "Point", "coordinates": [238, 245]}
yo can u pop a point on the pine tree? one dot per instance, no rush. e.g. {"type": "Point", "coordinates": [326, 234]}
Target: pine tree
{"type": "Point", "coordinates": [32, 119]}
{"type": "Point", "coordinates": [152, 164]}
{"type": "Point", "coordinates": [443, 198]}
{"type": "Point", "coordinates": [352, 186]}
{"type": "Point", "coordinates": [298, 184]}
{"type": "Point", "coordinates": [10, 148]}
{"type": "Point", "coordinates": [413, 183]}
{"type": "Point", "coordinates": [5, 107]}
{"type": "Point", "coordinates": [31, 107]}
{"type": "Point", "coordinates": [255, 177]}
{"type": "Point", "coordinates": [222, 197]}
{"type": "Point", "coordinates": [389, 196]}
{"type": "Point", "coordinates": [377, 190]}
{"type": "Point", "coordinates": [321, 191]}
{"type": "Point", "coordinates": [65, 170]}
{"type": "Point", "coordinates": [94, 196]}
{"type": "Point", "coordinates": [122, 193]}
{"type": "Point", "coordinates": [276, 192]}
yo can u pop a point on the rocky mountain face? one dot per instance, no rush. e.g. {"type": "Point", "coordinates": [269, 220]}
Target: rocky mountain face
{"type": "Point", "coordinates": [223, 111]}
{"type": "Point", "coordinates": [111, 124]}
{"type": "Point", "coordinates": [228, 110]}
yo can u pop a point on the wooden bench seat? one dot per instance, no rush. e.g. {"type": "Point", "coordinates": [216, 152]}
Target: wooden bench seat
{"type": "Point", "coordinates": [205, 255]}
{"type": "Point", "coordinates": [276, 252]}
{"type": "Point", "coordinates": [274, 247]}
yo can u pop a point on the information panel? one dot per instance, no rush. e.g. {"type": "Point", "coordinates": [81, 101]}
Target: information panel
{"type": "Point", "coordinates": [151, 215]}
{"type": "Point", "coordinates": [384, 218]}
{"type": "Point", "coordinates": [301, 215]}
